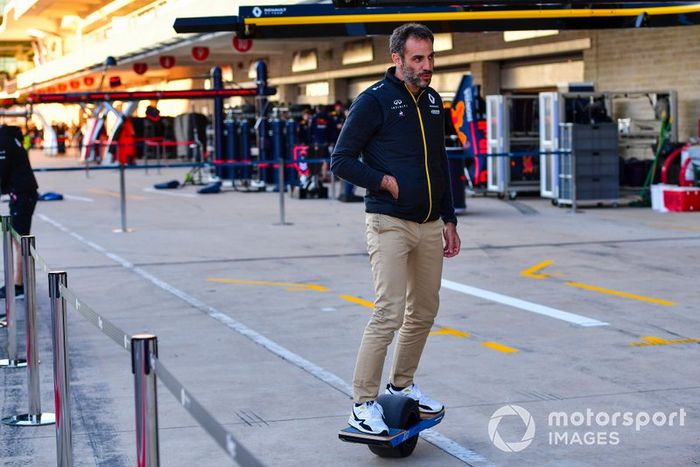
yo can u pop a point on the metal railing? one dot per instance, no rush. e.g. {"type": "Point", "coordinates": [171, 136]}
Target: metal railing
{"type": "Point", "coordinates": [143, 348]}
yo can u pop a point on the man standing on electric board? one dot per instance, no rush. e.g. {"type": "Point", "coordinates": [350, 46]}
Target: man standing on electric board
{"type": "Point", "coordinates": [397, 125]}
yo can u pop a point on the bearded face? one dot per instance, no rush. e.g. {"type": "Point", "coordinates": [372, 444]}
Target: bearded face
{"type": "Point", "coordinates": [419, 78]}
{"type": "Point", "coordinates": [416, 65]}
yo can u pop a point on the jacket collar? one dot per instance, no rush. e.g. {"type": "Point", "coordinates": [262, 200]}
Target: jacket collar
{"type": "Point", "coordinates": [390, 76]}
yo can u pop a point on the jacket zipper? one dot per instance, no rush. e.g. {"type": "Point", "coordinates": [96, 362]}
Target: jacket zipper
{"type": "Point", "coordinates": [425, 153]}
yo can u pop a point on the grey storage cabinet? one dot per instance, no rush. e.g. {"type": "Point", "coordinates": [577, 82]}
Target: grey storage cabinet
{"type": "Point", "coordinates": [589, 162]}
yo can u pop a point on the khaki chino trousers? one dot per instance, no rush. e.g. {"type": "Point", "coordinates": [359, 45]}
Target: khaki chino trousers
{"type": "Point", "coordinates": [406, 259]}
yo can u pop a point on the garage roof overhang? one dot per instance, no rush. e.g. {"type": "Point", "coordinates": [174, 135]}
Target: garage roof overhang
{"type": "Point", "coordinates": [275, 22]}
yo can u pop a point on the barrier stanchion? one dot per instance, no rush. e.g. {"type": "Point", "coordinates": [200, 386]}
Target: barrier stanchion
{"type": "Point", "coordinates": [145, 366]}
{"type": "Point", "coordinates": [280, 185]}
{"type": "Point", "coordinates": [278, 154]}
{"type": "Point", "coordinates": [122, 198]}
{"type": "Point", "coordinates": [61, 381]}
{"type": "Point", "coordinates": [333, 186]}
{"type": "Point", "coordinates": [9, 266]}
{"type": "Point", "coordinates": [34, 417]}
{"type": "Point", "coordinates": [144, 347]}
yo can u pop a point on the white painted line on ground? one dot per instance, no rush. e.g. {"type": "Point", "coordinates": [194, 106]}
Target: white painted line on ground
{"type": "Point", "coordinates": [79, 198]}
{"type": "Point", "coordinates": [523, 305]}
{"type": "Point", "coordinates": [446, 444]}
{"type": "Point", "coordinates": [170, 193]}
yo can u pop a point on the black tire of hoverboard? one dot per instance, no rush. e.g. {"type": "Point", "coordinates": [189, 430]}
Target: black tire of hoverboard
{"type": "Point", "coordinates": [399, 412]}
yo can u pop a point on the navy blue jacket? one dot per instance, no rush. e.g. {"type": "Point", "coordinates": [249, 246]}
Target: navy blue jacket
{"type": "Point", "coordinates": [403, 136]}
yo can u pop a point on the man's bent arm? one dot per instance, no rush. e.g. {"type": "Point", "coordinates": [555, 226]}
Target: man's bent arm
{"type": "Point", "coordinates": [364, 119]}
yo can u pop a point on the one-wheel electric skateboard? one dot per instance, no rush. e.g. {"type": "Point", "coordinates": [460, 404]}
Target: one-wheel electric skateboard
{"type": "Point", "coordinates": [404, 420]}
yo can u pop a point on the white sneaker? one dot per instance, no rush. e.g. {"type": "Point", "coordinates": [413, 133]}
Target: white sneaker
{"type": "Point", "coordinates": [425, 403]}
{"type": "Point", "coordinates": [368, 418]}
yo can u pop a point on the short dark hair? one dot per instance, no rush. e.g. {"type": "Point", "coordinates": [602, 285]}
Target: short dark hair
{"type": "Point", "coordinates": [397, 41]}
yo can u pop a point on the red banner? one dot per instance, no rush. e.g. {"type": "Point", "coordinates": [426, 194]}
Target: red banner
{"type": "Point", "coordinates": [167, 61]}
{"type": "Point", "coordinates": [140, 68]}
{"type": "Point", "coordinates": [200, 53]}
{"type": "Point", "coordinates": [242, 45]}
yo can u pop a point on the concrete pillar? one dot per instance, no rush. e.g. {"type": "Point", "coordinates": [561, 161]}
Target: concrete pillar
{"type": "Point", "coordinates": [287, 93]}
{"type": "Point", "coordinates": [488, 75]}
{"type": "Point", "coordinates": [338, 90]}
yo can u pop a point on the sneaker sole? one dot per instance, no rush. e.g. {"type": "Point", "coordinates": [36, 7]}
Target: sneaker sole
{"type": "Point", "coordinates": [365, 432]}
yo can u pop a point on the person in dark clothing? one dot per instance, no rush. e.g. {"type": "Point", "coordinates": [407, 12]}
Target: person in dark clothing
{"type": "Point", "coordinates": [17, 179]}
{"type": "Point", "coordinates": [321, 136]}
{"type": "Point", "coordinates": [303, 128]}
{"type": "Point", "coordinates": [348, 191]}
{"type": "Point", "coordinates": [397, 125]}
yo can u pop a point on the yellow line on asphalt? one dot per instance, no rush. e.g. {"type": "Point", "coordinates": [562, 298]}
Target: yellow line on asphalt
{"type": "Point", "coordinates": [449, 332]}
{"type": "Point", "coordinates": [358, 301]}
{"type": "Point", "coordinates": [534, 272]}
{"type": "Point", "coordinates": [603, 290]}
{"type": "Point", "coordinates": [291, 286]}
{"type": "Point", "coordinates": [444, 331]}
{"type": "Point", "coordinates": [668, 226]}
{"type": "Point", "coordinates": [653, 340]}
{"type": "Point", "coordinates": [116, 195]}
{"type": "Point", "coordinates": [499, 347]}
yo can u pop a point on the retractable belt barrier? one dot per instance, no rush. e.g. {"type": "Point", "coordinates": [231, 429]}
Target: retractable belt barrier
{"type": "Point", "coordinates": [34, 415]}
{"type": "Point", "coordinates": [221, 435]}
{"type": "Point", "coordinates": [145, 365]}
{"type": "Point", "coordinates": [109, 329]}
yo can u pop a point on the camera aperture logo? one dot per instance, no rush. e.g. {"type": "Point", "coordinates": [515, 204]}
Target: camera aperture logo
{"type": "Point", "coordinates": [507, 411]}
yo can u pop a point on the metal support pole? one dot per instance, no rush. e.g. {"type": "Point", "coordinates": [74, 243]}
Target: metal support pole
{"type": "Point", "coordinates": [9, 266]}
{"type": "Point", "coordinates": [34, 417]}
{"type": "Point", "coordinates": [122, 198]}
{"type": "Point", "coordinates": [143, 348]}
{"type": "Point", "coordinates": [261, 124]}
{"type": "Point", "coordinates": [281, 188]}
{"type": "Point", "coordinates": [61, 385]}
{"type": "Point", "coordinates": [333, 185]}
{"type": "Point", "coordinates": [218, 122]}
{"type": "Point", "coordinates": [279, 156]}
